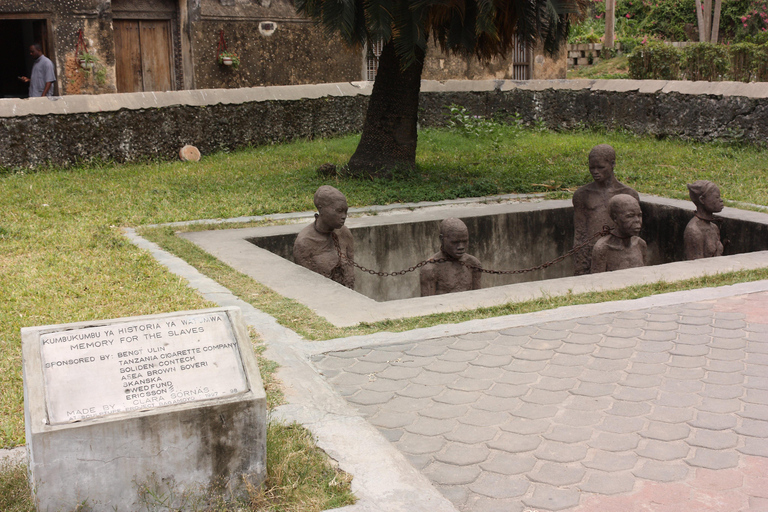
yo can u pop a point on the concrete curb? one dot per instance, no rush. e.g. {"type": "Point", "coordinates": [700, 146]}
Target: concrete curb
{"type": "Point", "coordinates": [383, 479]}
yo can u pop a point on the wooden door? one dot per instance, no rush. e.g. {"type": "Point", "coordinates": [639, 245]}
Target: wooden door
{"type": "Point", "coordinates": [143, 55]}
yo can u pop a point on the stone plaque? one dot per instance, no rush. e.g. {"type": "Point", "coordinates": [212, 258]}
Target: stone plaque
{"type": "Point", "coordinates": [139, 365]}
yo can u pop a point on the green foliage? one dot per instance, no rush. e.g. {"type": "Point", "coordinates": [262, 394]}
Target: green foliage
{"type": "Point", "coordinates": [229, 55]}
{"type": "Point", "coordinates": [749, 62]}
{"type": "Point", "coordinates": [704, 61]}
{"type": "Point", "coordinates": [468, 125]}
{"type": "Point", "coordinates": [656, 61]}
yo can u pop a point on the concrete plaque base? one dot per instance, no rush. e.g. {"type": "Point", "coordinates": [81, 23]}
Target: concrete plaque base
{"type": "Point", "coordinates": [81, 452]}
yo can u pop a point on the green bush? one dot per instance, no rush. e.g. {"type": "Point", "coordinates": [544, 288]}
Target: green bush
{"type": "Point", "coordinates": [656, 61]}
{"type": "Point", "coordinates": [746, 60]}
{"type": "Point", "coordinates": [705, 61]}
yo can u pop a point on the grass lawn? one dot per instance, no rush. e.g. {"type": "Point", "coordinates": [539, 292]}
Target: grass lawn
{"type": "Point", "coordinates": [617, 67]}
{"type": "Point", "coordinates": [63, 258]}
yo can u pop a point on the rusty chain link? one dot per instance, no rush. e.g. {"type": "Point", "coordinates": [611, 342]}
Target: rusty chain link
{"type": "Point", "coordinates": [342, 258]}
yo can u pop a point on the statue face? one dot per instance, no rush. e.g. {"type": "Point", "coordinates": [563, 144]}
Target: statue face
{"type": "Point", "coordinates": [629, 220]}
{"type": "Point", "coordinates": [455, 243]}
{"type": "Point", "coordinates": [335, 214]}
{"type": "Point", "coordinates": [711, 200]}
{"type": "Point", "coordinates": [600, 168]}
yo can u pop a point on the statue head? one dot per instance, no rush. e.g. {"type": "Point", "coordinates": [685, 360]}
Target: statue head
{"type": "Point", "coordinates": [454, 237]}
{"type": "Point", "coordinates": [706, 196]}
{"type": "Point", "coordinates": [626, 214]}
{"type": "Point", "coordinates": [602, 160]}
{"type": "Point", "coordinates": [331, 207]}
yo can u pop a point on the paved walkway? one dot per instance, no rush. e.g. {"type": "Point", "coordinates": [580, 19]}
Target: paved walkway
{"type": "Point", "coordinates": [640, 410]}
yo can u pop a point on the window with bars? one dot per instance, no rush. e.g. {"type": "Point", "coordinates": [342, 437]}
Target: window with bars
{"type": "Point", "coordinates": [372, 60]}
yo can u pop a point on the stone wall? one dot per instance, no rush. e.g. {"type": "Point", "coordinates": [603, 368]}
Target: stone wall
{"type": "Point", "coordinates": [126, 127]}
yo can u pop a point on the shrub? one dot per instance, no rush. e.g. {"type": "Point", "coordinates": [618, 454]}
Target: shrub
{"type": "Point", "coordinates": [705, 61]}
{"type": "Point", "coordinates": [657, 61]}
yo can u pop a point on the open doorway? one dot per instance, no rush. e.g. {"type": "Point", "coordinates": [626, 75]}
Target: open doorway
{"type": "Point", "coordinates": [16, 36]}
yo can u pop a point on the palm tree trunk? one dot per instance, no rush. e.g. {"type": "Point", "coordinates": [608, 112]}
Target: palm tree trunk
{"type": "Point", "coordinates": [389, 132]}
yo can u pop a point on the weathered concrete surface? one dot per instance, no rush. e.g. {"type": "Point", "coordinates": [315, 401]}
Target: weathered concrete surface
{"type": "Point", "coordinates": [127, 127]}
{"type": "Point", "coordinates": [184, 448]}
{"type": "Point", "coordinates": [344, 307]}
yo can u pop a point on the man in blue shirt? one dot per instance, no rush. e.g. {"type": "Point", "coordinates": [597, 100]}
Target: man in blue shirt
{"type": "Point", "coordinates": [42, 79]}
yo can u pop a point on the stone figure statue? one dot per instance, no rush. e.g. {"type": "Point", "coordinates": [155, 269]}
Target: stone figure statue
{"type": "Point", "coordinates": [702, 236]}
{"type": "Point", "coordinates": [623, 248]}
{"type": "Point", "coordinates": [590, 203]}
{"type": "Point", "coordinates": [451, 276]}
{"type": "Point", "coordinates": [315, 249]}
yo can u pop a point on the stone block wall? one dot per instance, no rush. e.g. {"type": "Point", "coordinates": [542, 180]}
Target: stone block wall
{"type": "Point", "coordinates": [126, 127]}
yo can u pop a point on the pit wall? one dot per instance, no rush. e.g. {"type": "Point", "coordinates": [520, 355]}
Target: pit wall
{"type": "Point", "coordinates": [126, 127]}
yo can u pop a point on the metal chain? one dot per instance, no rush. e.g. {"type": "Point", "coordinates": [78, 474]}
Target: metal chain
{"type": "Point", "coordinates": [343, 258]}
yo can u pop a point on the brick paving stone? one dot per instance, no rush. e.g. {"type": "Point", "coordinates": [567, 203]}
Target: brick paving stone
{"type": "Point", "coordinates": [399, 373]}
{"type": "Point", "coordinates": [712, 421]}
{"type": "Point", "coordinates": [527, 354]}
{"type": "Point", "coordinates": [457, 356]}
{"type": "Point", "coordinates": [694, 329]}
{"type": "Point", "coordinates": [635, 394]}
{"type": "Point", "coordinates": [713, 459]}
{"type": "Point", "coordinates": [575, 349]}
{"type": "Point", "coordinates": [464, 384]}
{"type": "Point", "coordinates": [611, 442]}
{"type": "Point", "coordinates": [484, 418]}
{"type": "Point", "coordinates": [543, 344]}
{"type": "Point", "coordinates": [463, 455]}
{"type": "Point", "coordinates": [567, 434]}
{"type": "Point", "coordinates": [588, 403]}
{"type": "Point", "coordinates": [668, 399]}
{"type": "Point", "coordinates": [386, 385]}
{"type": "Point", "coordinates": [420, 391]}
{"type": "Point", "coordinates": [753, 382]}
{"type": "Point", "coordinates": [551, 498]}
{"type": "Point", "coordinates": [443, 411]}
{"type": "Point", "coordinates": [550, 334]}
{"type": "Point", "coordinates": [499, 486]}
{"type": "Point", "coordinates": [607, 365]}
{"type": "Point", "coordinates": [350, 379]}
{"type": "Point", "coordinates": [755, 412]}
{"type": "Point", "coordinates": [502, 390]}
{"type": "Point", "coordinates": [689, 350]}
{"type": "Point", "coordinates": [456, 397]}
{"type": "Point", "coordinates": [661, 471]}
{"type": "Point", "coordinates": [431, 426]}
{"type": "Point", "coordinates": [720, 354]}
{"type": "Point", "coordinates": [631, 409]}
{"type": "Point", "coordinates": [709, 480]}
{"type": "Point", "coordinates": [480, 336]}
{"type": "Point", "coordinates": [418, 461]}
{"type": "Point", "coordinates": [604, 352]}
{"type": "Point", "coordinates": [589, 329]}
{"type": "Point", "coordinates": [595, 320]}
{"type": "Point", "coordinates": [491, 361]}
{"type": "Point", "coordinates": [494, 349]}
{"type": "Point", "coordinates": [641, 381]}
{"type": "Point", "coordinates": [496, 404]}
{"type": "Point", "coordinates": [352, 354]}
{"type": "Point", "coordinates": [482, 373]}
{"type": "Point", "coordinates": [469, 345]}
{"type": "Point", "coordinates": [511, 342]}
{"type": "Point", "coordinates": [447, 474]}
{"type": "Point", "coordinates": [456, 494]}
{"type": "Point", "coordinates": [600, 377]}
{"type": "Point", "coordinates": [584, 339]}
{"type": "Point", "coordinates": [470, 434]}
{"type": "Point", "coordinates": [719, 405]}
{"type": "Point", "coordinates": [479, 503]}
{"type": "Point", "coordinates": [646, 368]}
{"type": "Point", "coordinates": [560, 452]}
{"type": "Point", "coordinates": [758, 504]}
{"type": "Point", "coordinates": [670, 414]}
{"type": "Point", "coordinates": [534, 411]}
{"type": "Point", "coordinates": [508, 463]}
{"type": "Point", "coordinates": [564, 325]}
{"type": "Point", "coordinates": [333, 363]}
{"type": "Point", "coordinates": [392, 435]}
{"type": "Point", "coordinates": [757, 348]}
{"type": "Point", "coordinates": [650, 357]}
{"type": "Point", "coordinates": [561, 372]}
{"type": "Point", "coordinates": [415, 362]}
{"type": "Point", "coordinates": [576, 418]}
{"type": "Point", "coordinates": [388, 419]}
{"type": "Point", "coordinates": [429, 378]}
{"type": "Point", "coordinates": [523, 426]}
{"type": "Point", "coordinates": [718, 332]}
{"type": "Point", "coordinates": [755, 446]}
{"type": "Point", "coordinates": [631, 315]}
{"type": "Point", "coordinates": [515, 443]}
{"type": "Point", "coordinates": [543, 397]}
{"type": "Point", "coordinates": [756, 396]}
{"type": "Point", "coordinates": [724, 378]}
{"type": "Point", "coordinates": [694, 339]}
{"type": "Point", "coordinates": [687, 361]}
{"type": "Point", "coordinates": [682, 386]}
{"type": "Point", "coordinates": [613, 483]}
{"type": "Point", "coordinates": [525, 366]}
{"type": "Point", "coordinates": [729, 343]}
{"type": "Point", "coordinates": [621, 425]}
{"type": "Point", "coordinates": [695, 320]}
{"type": "Point", "coordinates": [654, 346]}
{"type": "Point", "coordinates": [695, 374]}
{"type": "Point", "coordinates": [557, 474]}
{"type": "Point", "coordinates": [519, 331]}
{"type": "Point", "coordinates": [723, 392]}
{"type": "Point", "coordinates": [420, 445]}
{"type": "Point", "coordinates": [753, 428]}
{"type": "Point", "coordinates": [554, 384]}
{"type": "Point", "coordinates": [367, 397]}
{"type": "Point", "coordinates": [623, 332]}
{"type": "Point", "coordinates": [610, 461]}
{"type": "Point", "coordinates": [663, 450]}
{"type": "Point", "coordinates": [452, 367]}
{"type": "Point", "coordinates": [346, 391]}
{"type": "Point", "coordinates": [366, 411]}
{"type": "Point", "coordinates": [713, 439]}
{"type": "Point", "coordinates": [404, 404]}
{"type": "Point", "coordinates": [661, 317]}
{"type": "Point", "coordinates": [658, 331]}
{"type": "Point", "coordinates": [725, 366]}
{"type": "Point", "coordinates": [517, 378]}
{"type": "Point", "coordinates": [401, 348]}
{"type": "Point", "coordinates": [424, 350]}
{"type": "Point", "coordinates": [754, 370]}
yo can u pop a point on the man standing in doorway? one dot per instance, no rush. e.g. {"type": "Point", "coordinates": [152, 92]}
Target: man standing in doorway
{"type": "Point", "coordinates": [42, 79]}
